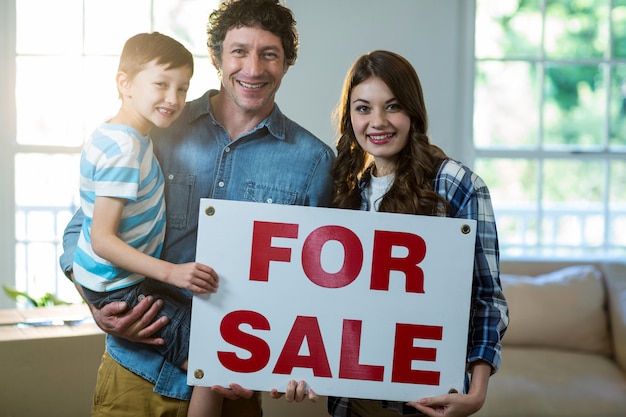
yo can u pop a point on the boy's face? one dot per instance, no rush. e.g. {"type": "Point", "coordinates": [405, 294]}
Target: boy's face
{"type": "Point", "coordinates": [252, 68]}
{"type": "Point", "coordinates": [155, 96]}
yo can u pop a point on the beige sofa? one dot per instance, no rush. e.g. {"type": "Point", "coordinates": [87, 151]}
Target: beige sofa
{"type": "Point", "coordinates": [564, 353]}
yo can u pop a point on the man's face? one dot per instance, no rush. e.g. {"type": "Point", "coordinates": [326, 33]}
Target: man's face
{"type": "Point", "coordinates": [253, 65]}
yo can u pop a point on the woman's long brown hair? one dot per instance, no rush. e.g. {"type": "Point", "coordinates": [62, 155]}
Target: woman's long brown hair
{"type": "Point", "coordinates": [416, 165]}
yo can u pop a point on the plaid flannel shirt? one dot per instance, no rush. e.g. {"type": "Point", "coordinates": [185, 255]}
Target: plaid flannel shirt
{"type": "Point", "coordinates": [468, 198]}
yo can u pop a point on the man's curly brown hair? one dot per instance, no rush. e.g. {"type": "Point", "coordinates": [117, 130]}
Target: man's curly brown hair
{"type": "Point", "coordinates": [270, 15]}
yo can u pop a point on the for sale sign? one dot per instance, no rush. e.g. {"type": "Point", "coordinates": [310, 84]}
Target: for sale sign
{"type": "Point", "coordinates": [358, 304]}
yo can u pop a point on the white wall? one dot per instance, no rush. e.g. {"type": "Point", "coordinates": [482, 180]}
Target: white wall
{"type": "Point", "coordinates": [430, 33]}
{"type": "Point", "coordinates": [7, 138]}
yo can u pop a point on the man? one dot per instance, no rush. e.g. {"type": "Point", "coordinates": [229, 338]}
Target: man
{"type": "Point", "coordinates": [231, 144]}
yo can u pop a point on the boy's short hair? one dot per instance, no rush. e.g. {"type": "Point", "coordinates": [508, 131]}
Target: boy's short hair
{"type": "Point", "coordinates": [144, 48]}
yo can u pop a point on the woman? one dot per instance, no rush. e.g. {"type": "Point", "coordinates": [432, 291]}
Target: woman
{"type": "Point", "coordinates": [385, 162]}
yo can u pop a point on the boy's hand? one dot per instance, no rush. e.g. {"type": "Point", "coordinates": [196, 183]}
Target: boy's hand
{"type": "Point", "coordinates": [194, 276]}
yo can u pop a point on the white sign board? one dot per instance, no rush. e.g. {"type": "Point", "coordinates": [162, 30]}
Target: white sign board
{"type": "Point", "coordinates": [359, 304]}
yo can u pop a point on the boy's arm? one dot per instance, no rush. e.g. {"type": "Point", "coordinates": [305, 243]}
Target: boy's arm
{"type": "Point", "coordinates": [106, 243]}
{"type": "Point", "coordinates": [136, 324]}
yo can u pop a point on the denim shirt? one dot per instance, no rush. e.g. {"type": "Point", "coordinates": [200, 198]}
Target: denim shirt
{"type": "Point", "coordinates": [277, 162]}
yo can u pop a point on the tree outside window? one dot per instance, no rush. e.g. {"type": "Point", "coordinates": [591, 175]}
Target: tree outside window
{"type": "Point", "coordinates": [549, 123]}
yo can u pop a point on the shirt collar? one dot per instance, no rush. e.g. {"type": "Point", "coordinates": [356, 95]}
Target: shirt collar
{"type": "Point", "coordinates": [201, 107]}
{"type": "Point", "coordinates": [275, 123]}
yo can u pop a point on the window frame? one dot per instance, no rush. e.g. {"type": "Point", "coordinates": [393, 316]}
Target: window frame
{"type": "Point", "coordinates": [10, 271]}
{"type": "Point", "coordinates": [540, 152]}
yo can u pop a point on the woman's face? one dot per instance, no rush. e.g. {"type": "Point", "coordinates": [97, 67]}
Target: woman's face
{"type": "Point", "coordinates": [380, 124]}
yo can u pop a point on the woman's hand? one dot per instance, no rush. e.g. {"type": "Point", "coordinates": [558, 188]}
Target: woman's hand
{"type": "Point", "coordinates": [449, 405]}
{"type": "Point", "coordinates": [459, 405]}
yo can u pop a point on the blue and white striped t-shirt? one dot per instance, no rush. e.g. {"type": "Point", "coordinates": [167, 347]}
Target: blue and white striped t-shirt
{"type": "Point", "coordinates": [117, 161]}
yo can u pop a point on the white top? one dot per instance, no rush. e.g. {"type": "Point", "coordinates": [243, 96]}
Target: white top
{"type": "Point", "coordinates": [376, 189]}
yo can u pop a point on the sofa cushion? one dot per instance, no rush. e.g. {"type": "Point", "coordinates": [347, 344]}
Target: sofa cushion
{"type": "Point", "coordinates": [550, 382]}
{"type": "Point", "coordinates": [562, 309]}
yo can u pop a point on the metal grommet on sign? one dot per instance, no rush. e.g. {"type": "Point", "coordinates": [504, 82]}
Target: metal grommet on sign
{"type": "Point", "coordinates": [465, 229]}
{"type": "Point", "coordinates": [453, 391]}
{"type": "Point", "coordinates": [198, 374]}
{"type": "Point", "coordinates": [209, 211]}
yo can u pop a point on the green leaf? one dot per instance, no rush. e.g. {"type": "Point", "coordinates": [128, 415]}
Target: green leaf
{"type": "Point", "coordinates": [47, 300]}
{"type": "Point", "coordinates": [17, 295]}
{"type": "Point", "coordinates": [51, 299]}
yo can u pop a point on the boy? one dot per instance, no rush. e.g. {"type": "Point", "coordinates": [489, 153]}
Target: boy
{"type": "Point", "coordinates": [122, 194]}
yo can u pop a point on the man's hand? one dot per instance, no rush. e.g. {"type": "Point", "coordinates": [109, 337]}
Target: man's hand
{"type": "Point", "coordinates": [296, 391]}
{"type": "Point", "coordinates": [136, 324]}
{"type": "Point", "coordinates": [235, 392]}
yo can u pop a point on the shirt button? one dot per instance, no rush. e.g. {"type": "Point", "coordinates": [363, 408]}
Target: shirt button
{"type": "Point", "coordinates": [227, 149]}
{"type": "Point", "coordinates": [170, 177]}
{"type": "Point", "coordinates": [220, 184]}
{"type": "Point", "coordinates": [269, 200]}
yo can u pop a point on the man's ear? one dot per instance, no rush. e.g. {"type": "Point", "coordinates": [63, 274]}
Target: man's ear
{"type": "Point", "coordinates": [216, 63]}
{"type": "Point", "coordinates": [123, 83]}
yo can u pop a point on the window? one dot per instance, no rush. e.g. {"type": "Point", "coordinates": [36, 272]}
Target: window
{"type": "Point", "coordinates": [550, 123]}
{"type": "Point", "coordinates": [63, 67]}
